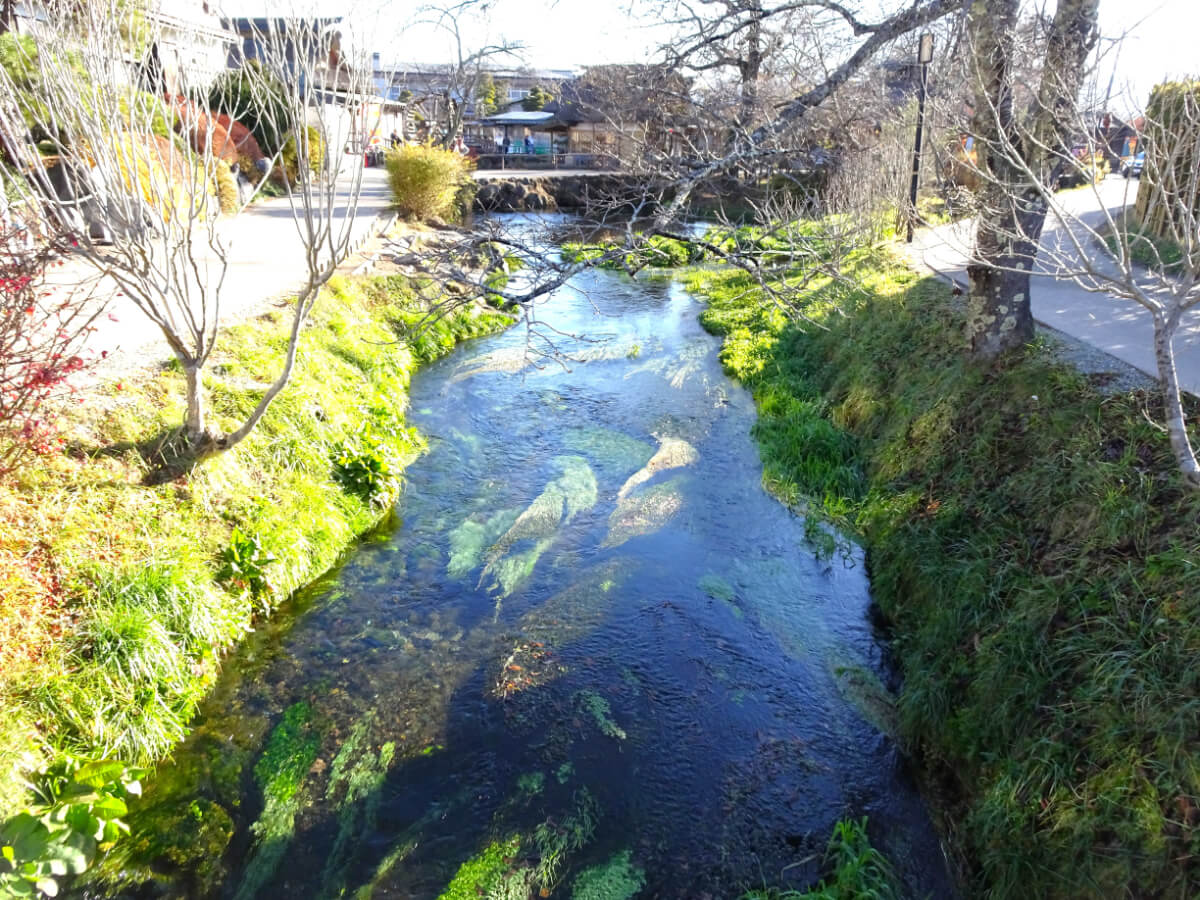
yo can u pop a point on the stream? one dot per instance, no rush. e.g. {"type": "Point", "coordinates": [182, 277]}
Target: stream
{"type": "Point", "coordinates": [589, 651]}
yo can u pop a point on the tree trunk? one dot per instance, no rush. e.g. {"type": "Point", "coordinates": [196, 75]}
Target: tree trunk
{"type": "Point", "coordinates": [999, 307]}
{"type": "Point", "coordinates": [194, 423]}
{"type": "Point", "coordinates": [1165, 325]}
{"type": "Point", "coordinates": [1013, 212]}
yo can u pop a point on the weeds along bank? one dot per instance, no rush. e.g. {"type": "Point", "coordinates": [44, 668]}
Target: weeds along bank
{"type": "Point", "coordinates": [118, 594]}
{"type": "Point", "coordinates": [1037, 559]}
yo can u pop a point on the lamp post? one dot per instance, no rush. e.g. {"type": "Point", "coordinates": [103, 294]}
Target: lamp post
{"type": "Point", "coordinates": [924, 57]}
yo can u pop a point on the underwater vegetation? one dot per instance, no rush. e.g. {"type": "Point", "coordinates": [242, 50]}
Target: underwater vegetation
{"type": "Point", "coordinates": [468, 540]}
{"type": "Point", "coordinates": [672, 453]}
{"type": "Point", "coordinates": [616, 879]}
{"type": "Point", "coordinates": [574, 491]}
{"type": "Point", "coordinates": [280, 773]}
{"type": "Point", "coordinates": [598, 709]}
{"type": "Point", "coordinates": [643, 512]}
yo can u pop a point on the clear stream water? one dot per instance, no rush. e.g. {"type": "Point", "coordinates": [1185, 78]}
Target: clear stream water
{"type": "Point", "coordinates": [586, 615]}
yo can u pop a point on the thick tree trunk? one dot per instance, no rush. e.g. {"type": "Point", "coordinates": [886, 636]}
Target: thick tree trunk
{"type": "Point", "coordinates": [1165, 325]}
{"type": "Point", "coordinates": [999, 307]}
{"type": "Point", "coordinates": [1019, 170]}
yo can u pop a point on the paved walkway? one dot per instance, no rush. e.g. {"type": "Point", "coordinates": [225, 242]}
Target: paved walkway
{"type": "Point", "coordinates": [1119, 327]}
{"type": "Point", "coordinates": [265, 263]}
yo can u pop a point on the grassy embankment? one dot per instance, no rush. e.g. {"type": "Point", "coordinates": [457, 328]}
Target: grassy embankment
{"type": "Point", "coordinates": [1036, 556]}
{"type": "Point", "coordinates": [113, 611]}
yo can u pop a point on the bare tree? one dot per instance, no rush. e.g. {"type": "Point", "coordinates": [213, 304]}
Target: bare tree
{"type": "Point", "coordinates": [108, 162]}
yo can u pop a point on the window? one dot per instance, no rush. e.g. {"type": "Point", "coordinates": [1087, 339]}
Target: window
{"type": "Point", "coordinates": [514, 94]}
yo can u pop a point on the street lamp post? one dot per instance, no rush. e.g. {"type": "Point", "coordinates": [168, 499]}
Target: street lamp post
{"type": "Point", "coordinates": [924, 57]}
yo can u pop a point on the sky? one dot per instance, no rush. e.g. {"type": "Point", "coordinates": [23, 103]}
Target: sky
{"type": "Point", "coordinates": [1162, 36]}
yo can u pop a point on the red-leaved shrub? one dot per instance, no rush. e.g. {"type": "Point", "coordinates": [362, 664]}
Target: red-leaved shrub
{"type": "Point", "coordinates": [42, 335]}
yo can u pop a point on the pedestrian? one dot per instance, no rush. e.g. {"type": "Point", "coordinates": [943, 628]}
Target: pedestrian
{"type": "Point", "coordinates": [506, 145]}
{"type": "Point", "coordinates": [529, 143]}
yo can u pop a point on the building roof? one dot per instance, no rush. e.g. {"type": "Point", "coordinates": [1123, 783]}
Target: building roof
{"type": "Point", "coordinates": [530, 119]}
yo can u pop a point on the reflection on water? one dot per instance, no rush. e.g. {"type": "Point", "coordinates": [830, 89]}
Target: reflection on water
{"type": "Point", "coordinates": [589, 657]}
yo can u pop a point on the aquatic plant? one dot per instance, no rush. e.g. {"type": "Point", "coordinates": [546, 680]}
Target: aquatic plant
{"type": "Point", "coordinates": [643, 512]}
{"type": "Point", "coordinates": [574, 491]}
{"type": "Point", "coordinates": [672, 453]}
{"type": "Point", "coordinates": [280, 772]}
{"type": "Point", "coordinates": [482, 872]}
{"type": "Point", "coordinates": [858, 870]}
{"type": "Point", "coordinates": [862, 688]}
{"type": "Point", "coordinates": [716, 587]}
{"type": "Point", "coordinates": [358, 774]}
{"type": "Point", "coordinates": [600, 712]}
{"type": "Point", "coordinates": [468, 540]}
{"type": "Point", "coordinates": [616, 879]}
{"type": "Point", "coordinates": [612, 452]}
{"type": "Point", "coordinates": [531, 783]}
{"type": "Point", "coordinates": [556, 841]}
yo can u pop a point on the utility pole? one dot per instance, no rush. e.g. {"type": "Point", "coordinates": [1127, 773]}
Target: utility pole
{"type": "Point", "coordinates": [924, 57]}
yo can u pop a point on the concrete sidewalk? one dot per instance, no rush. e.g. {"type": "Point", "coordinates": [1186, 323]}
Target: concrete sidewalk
{"type": "Point", "coordinates": [1119, 327]}
{"type": "Point", "coordinates": [265, 263]}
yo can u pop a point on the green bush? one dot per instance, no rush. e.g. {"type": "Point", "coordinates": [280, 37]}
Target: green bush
{"type": "Point", "coordinates": [227, 189]}
{"type": "Point", "coordinates": [426, 181]}
{"type": "Point", "coordinates": [262, 111]}
{"type": "Point", "coordinates": [312, 150]}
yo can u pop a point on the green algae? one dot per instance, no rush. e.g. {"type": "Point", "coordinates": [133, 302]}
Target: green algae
{"type": "Point", "coordinates": [191, 838]}
{"type": "Point", "coordinates": [600, 712]}
{"type": "Point", "coordinates": [672, 453]}
{"type": "Point", "coordinates": [532, 783]}
{"type": "Point", "coordinates": [480, 874]}
{"type": "Point", "coordinates": [564, 773]}
{"type": "Point", "coordinates": [468, 540]}
{"type": "Point", "coordinates": [862, 688]}
{"type": "Point", "coordinates": [357, 775]}
{"type": "Point", "coordinates": [616, 879]}
{"type": "Point", "coordinates": [574, 491]}
{"type": "Point", "coordinates": [612, 452]}
{"type": "Point", "coordinates": [280, 773]}
{"type": "Point", "coordinates": [643, 512]}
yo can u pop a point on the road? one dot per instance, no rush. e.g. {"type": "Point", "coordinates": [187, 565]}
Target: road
{"type": "Point", "coordinates": [1119, 327]}
{"type": "Point", "coordinates": [265, 262]}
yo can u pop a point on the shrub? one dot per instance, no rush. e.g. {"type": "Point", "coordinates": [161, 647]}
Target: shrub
{"type": "Point", "coordinates": [425, 180]}
{"type": "Point", "coordinates": [313, 150]}
{"type": "Point", "coordinates": [254, 98]}
{"type": "Point", "coordinates": [227, 189]}
{"type": "Point", "coordinates": [41, 345]}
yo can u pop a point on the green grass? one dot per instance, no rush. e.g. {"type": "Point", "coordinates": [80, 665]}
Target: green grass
{"type": "Point", "coordinates": [1036, 556]}
{"type": "Point", "coordinates": [112, 616]}
{"type": "Point", "coordinates": [1156, 253]}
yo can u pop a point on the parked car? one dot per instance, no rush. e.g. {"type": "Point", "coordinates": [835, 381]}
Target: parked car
{"type": "Point", "coordinates": [1131, 166]}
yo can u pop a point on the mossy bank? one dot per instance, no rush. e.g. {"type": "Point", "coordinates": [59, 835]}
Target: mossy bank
{"type": "Point", "coordinates": [1035, 556]}
{"type": "Point", "coordinates": [120, 591]}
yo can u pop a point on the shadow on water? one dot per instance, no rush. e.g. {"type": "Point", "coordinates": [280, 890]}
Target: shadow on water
{"type": "Point", "coordinates": [590, 653]}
